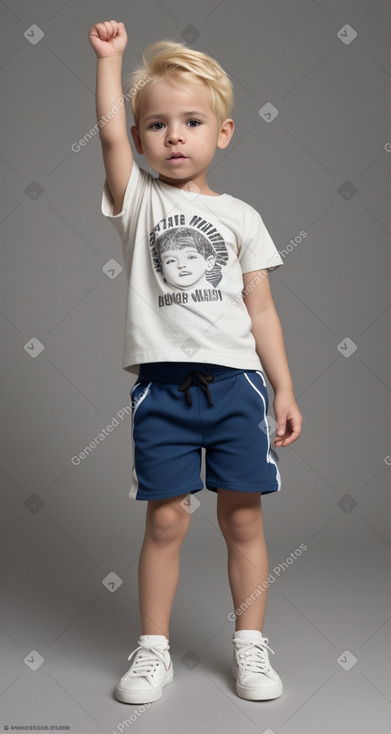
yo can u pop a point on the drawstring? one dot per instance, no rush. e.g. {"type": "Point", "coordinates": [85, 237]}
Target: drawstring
{"type": "Point", "coordinates": [202, 377]}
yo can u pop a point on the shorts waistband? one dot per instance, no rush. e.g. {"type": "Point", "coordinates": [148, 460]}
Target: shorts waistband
{"type": "Point", "coordinates": [174, 372]}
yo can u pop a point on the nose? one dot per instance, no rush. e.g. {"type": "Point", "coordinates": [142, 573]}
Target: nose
{"type": "Point", "coordinates": [174, 134]}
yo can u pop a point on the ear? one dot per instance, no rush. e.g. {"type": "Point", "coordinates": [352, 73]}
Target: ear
{"type": "Point", "coordinates": [225, 134]}
{"type": "Point", "coordinates": [210, 262]}
{"type": "Point", "coordinates": [137, 140]}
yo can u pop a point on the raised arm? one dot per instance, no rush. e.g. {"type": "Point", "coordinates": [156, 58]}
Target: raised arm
{"type": "Point", "coordinates": [109, 40]}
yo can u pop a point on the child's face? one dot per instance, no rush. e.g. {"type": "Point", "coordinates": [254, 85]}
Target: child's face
{"type": "Point", "coordinates": [165, 126]}
{"type": "Point", "coordinates": [185, 267]}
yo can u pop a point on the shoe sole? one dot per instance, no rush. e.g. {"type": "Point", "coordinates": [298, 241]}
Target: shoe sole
{"type": "Point", "coordinates": [252, 694]}
{"type": "Point", "coordinates": [147, 696]}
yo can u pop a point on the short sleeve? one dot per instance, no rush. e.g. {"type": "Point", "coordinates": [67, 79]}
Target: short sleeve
{"type": "Point", "coordinates": [257, 250]}
{"type": "Point", "coordinates": [131, 203]}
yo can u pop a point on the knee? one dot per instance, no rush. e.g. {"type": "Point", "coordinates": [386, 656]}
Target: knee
{"type": "Point", "coordinates": [167, 522]}
{"type": "Point", "coordinates": [241, 525]}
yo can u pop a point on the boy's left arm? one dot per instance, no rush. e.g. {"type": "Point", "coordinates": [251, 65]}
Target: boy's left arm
{"type": "Point", "coordinates": [270, 347]}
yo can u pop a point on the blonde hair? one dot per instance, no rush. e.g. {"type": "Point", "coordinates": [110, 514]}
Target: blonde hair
{"type": "Point", "coordinates": [168, 59]}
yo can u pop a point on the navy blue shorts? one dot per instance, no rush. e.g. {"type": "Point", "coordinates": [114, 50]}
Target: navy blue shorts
{"type": "Point", "coordinates": [179, 407]}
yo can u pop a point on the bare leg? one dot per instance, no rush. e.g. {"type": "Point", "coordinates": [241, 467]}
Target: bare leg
{"type": "Point", "coordinates": [240, 519]}
{"type": "Point", "coordinates": [167, 523]}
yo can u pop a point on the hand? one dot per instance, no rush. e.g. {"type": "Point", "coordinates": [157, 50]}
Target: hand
{"type": "Point", "coordinates": [108, 38]}
{"type": "Point", "coordinates": [288, 417]}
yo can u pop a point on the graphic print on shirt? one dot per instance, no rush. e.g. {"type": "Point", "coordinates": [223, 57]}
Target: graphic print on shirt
{"type": "Point", "coordinates": [189, 256]}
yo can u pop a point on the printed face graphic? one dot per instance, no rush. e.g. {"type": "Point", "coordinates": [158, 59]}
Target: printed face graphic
{"type": "Point", "coordinates": [185, 267]}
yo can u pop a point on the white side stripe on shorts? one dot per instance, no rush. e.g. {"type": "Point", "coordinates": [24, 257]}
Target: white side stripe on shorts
{"type": "Point", "coordinates": [134, 479]}
{"type": "Point", "coordinates": [143, 396]}
{"type": "Point", "coordinates": [268, 455]}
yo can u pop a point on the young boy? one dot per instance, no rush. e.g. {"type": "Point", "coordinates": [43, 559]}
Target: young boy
{"type": "Point", "coordinates": [196, 351]}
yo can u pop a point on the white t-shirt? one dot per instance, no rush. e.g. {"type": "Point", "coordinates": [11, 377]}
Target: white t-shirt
{"type": "Point", "coordinates": [185, 255]}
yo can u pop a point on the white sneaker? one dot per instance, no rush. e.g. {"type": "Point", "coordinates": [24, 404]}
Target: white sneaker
{"type": "Point", "coordinates": [149, 672]}
{"type": "Point", "coordinates": [255, 678]}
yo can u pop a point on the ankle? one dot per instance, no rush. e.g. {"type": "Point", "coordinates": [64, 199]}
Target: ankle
{"type": "Point", "coordinates": [156, 637]}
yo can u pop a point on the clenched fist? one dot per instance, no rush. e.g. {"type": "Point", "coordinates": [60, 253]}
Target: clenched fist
{"type": "Point", "coordinates": [108, 38]}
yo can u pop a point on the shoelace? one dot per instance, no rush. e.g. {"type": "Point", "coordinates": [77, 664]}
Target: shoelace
{"type": "Point", "coordinates": [145, 662]}
{"type": "Point", "coordinates": [253, 655]}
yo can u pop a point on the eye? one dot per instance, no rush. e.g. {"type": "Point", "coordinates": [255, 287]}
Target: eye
{"type": "Point", "coordinates": [153, 126]}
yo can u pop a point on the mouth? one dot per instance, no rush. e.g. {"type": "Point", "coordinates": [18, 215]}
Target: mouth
{"type": "Point", "coordinates": [177, 157]}
{"type": "Point", "coordinates": [181, 274]}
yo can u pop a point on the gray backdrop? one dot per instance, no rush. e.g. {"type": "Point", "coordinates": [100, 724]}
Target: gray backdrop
{"type": "Point", "coordinates": [311, 152]}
